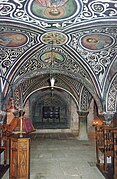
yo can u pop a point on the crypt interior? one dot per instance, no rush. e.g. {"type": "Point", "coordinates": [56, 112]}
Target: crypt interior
{"type": "Point", "coordinates": [58, 64]}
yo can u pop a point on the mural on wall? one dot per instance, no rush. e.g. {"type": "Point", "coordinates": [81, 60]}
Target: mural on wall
{"type": "Point", "coordinates": [52, 9]}
{"type": "Point", "coordinates": [79, 27]}
{"type": "Point", "coordinates": [56, 11]}
{"type": "Point", "coordinates": [54, 38]}
{"type": "Point", "coordinates": [96, 41]}
{"type": "Point", "coordinates": [12, 39]}
{"type": "Point", "coordinates": [52, 57]}
{"type": "Point", "coordinates": [35, 63]}
{"type": "Point", "coordinates": [98, 54]}
{"type": "Point", "coordinates": [13, 43]}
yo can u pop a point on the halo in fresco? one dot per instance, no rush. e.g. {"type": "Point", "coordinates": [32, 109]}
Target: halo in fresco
{"type": "Point", "coordinates": [12, 39]}
{"type": "Point", "coordinates": [54, 9]}
{"type": "Point", "coordinates": [55, 38]}
{"type": "Point", "coordinates": [52, 56]}
{"type": "Point", "coordinates": [96, 41]}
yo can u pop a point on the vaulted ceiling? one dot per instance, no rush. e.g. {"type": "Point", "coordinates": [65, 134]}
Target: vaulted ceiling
{"type": "Point", "coordinates": [74, 40]}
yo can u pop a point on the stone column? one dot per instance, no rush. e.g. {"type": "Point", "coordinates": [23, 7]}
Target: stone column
{"type": "Point", "coordinates": [83, 135]}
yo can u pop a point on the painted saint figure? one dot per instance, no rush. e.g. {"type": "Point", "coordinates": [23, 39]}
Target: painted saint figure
{"type": "Point", "coordinates": [99, 44]}
{"type": "Point", "coordinates": [96, 41]}
{"type": "Point", "coordinates": [53, 9]}
{"type": "Point", "coordinates": [11, 39]}
{"type": "Point", "coordinates": [51, 3]}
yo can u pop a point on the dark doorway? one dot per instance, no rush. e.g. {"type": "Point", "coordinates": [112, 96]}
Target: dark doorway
{"type": "Point", "coordinates": [50, 112]}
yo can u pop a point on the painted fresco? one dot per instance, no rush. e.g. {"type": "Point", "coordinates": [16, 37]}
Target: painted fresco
{"type": "Point", "coordinates": [96, 41]}
{"type": "Point", "coordinates": [54, 9]}
{"type": "Point", "coordinates": [55, 38]}
{"type": "Point", "coordinates": [52, 57]}
{"type": "Point", "coordinates": [11, 39]}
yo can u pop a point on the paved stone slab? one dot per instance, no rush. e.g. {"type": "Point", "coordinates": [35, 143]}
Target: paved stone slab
{"type": "Point", "coordinates": [62, 157]}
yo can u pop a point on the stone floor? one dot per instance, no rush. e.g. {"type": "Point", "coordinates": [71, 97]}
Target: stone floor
{"type": "Point", "coordinates": [62, 156]}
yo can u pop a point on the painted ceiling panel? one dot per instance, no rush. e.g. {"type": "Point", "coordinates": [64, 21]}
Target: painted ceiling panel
{"type": "Point", "coordinates": [62, 13]}
{"type": "Point", "coordinates": [77, 37]}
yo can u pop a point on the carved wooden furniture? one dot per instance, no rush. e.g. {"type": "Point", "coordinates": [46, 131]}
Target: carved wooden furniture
{"type": "Point", "coordinates": [106, 150]}
{"type": "Point", "coordinates": [19, 158]}
{"type": "Point", "coordinates": [115, 153]}
{"type": "Point", "coordinates": [19, 147]}
{"type": "Point", "coordinates": [3, 150]}
{"type": "Point", "coordinates": [3, 142]}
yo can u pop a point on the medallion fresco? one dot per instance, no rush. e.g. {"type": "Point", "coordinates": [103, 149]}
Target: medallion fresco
{"type": "Point", "coordinates": [96, 41]}
{"type": "Point", "coordinates": [53, 9]}
{"type": "Point", "coordinates": [12, 39]}
{"type": "Point", "coordinates": [52, 57]}
{"type": "Point", "coordinates": [55, 38]}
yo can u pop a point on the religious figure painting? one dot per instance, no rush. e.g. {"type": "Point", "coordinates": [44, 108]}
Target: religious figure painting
{"type": "Point", "coordinates": [53, 9]}
{"type": "Point", "coordinates": [11, 39]}
{"type": "Point", "coordinates": [96, 41]}
{"type": "Point", "coordinates": [52, 57]}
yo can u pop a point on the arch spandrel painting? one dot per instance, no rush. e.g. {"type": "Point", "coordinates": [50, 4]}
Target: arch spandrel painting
{"type": "Point", "coordinates": [12, 39]}
{"type": "Point", "coordinates": [96, 41]}
{"type": "Point", "coordinates": [53, 9]}
{"type": "Point", "coordinates": [52, 57]}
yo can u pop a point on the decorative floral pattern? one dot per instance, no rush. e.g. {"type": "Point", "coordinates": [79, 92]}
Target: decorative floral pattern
{"type": "Point", "coordinates": [99, 61]}
{"type": "Point", "coordinates": [90, 10]}
{"type": "Point", "coordinates": [111, 101]}
{"type": "Point", "coordinates": [84, 28]}
{"type": "Point", "coordinates": [54, 38]}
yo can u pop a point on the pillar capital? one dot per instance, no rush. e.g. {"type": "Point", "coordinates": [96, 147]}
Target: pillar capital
{"type": "Point", "coordinates": [83, 113]}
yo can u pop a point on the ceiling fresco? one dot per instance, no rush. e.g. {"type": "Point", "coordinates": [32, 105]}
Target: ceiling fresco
{"type": "Point", "coordinates": [11, 39]}
{"type": "Point", "coordinates": [75, 39]}
{"type": "Point", "coordinates": [54, 38]}
{"type": "Point", "coordinates": [96, 41]}
{"type": "Point", "coordinates": [53, 10]}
